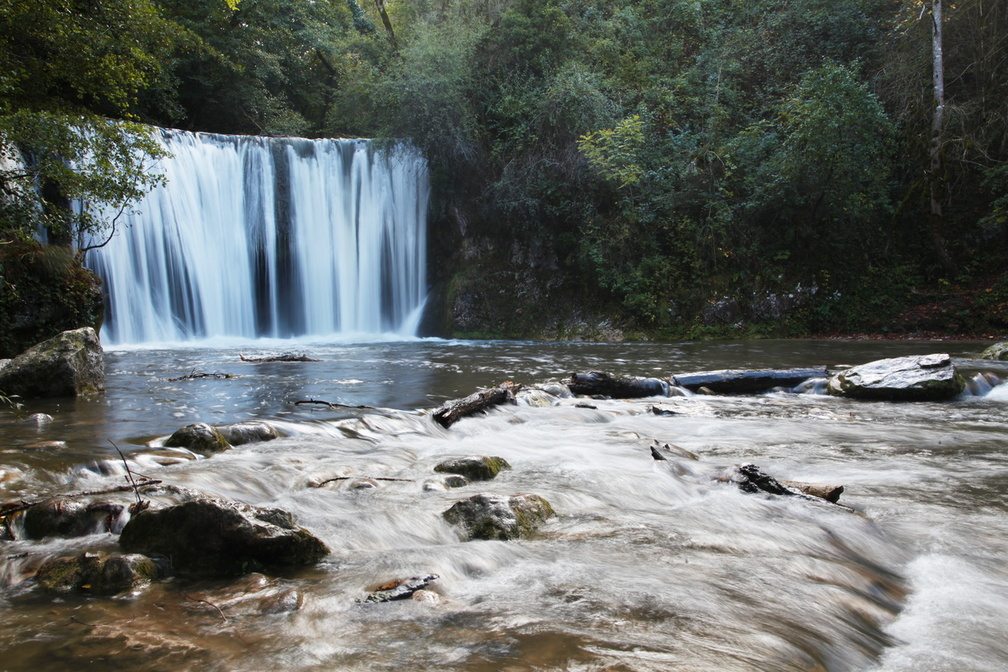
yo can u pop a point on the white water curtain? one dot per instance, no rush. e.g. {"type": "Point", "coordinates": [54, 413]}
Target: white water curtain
{"type": "Point", "coordinates": [270, 237]}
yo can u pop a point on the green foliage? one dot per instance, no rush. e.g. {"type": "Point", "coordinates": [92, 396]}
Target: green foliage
{"type": "Point", "coordinates": [614, 151]}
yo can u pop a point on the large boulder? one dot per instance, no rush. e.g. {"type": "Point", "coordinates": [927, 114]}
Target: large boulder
{"type": "Point", "coordinates": [68, 365]}
{"type": "Point", "coordinates": [97, 574]}
{"type": "Point", "coordinates": [211, 537]}
{"type": "Point", "coordinates": [915, 378]}
{"type": "Point", "coordinates": [474, 468]}
{"type": "Point", "coordinates": [998, 351]}
{"type": "Point", "coordinates": [746, 381]}
{"type": "Point", "coordinates": [499, 517]}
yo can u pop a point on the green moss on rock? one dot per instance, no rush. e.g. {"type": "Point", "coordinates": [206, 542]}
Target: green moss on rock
{"type": "Point", "coordinates": [483, 468]}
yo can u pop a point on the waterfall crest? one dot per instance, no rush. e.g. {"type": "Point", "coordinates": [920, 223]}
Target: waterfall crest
{"type": "Point", "coordinates": [260, 237]}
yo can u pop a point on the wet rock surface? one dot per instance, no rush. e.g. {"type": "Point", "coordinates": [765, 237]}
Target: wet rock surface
{"type": "Point", "coordinates": [211, 537]}
{"type": "Point", "coordinates": [616, 387]}
{"type": "Point", "coordinates": [915, 378]}
{"type": "Point", "coordinates": [200, 438]}
{"type": "Point", "coordinates": [744, 381]}
{"type": "Point", "coordinates": [473, 468]}
{"type": "Point", "coordinates": [241, 433]}
{"type": "Point", "coordinates": [70, 518]}
{"type": "Point", "coordinates": [499, 517]}
{"type": "Point", "coordinates": [998, 351]}
{"type": "Point", "coordinates": [68, 365]}
{"type": "Point", "coordinates": [97, 574]}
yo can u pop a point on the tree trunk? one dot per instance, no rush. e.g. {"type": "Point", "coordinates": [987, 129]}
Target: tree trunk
{"type": "Point", "coordinates": [936, 168]}
{"type": "Point", "coordinates": [380, 4]}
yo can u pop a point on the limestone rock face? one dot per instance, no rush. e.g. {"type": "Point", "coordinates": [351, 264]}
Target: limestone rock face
{"type": "Point", "coordinates": [998, 351]}
{"type": "Point", "coordinates": [68, 365]}
{"type": "Point", "coordinates": [210, 537]}
{"type": "Point", "coordinates": [915, 378]}
{"type": "Point", "coordinates": [499, 517]}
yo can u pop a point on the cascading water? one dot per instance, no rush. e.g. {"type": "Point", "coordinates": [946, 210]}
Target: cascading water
{"type": "Point", "coordinates": [255, 237]}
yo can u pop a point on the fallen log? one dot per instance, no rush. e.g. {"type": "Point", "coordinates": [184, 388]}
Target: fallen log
{"type": "Point", "coordinates": [451, 412]}
{"type": "Point", "coordinates": [745, 381]}
{"type": "Point", "coordinates": [285, 357]}
{"type": "Point", "coordinates": [616, 387]}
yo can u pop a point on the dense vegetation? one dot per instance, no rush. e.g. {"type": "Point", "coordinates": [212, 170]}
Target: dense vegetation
{"type": "Point", "coordinates": [681, 162]}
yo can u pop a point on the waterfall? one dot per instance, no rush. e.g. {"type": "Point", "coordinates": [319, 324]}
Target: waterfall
{"type": "Point", "coordinates": [261, 237]}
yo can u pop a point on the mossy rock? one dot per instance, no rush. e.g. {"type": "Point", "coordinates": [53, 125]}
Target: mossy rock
{"type": "Point", "coordinates": [199, 438]}
{"type": "Point", "coordinates": [998, 351]}
{"type": "Point", "coordinates": [70, 364]}
{"type": "Point", "coordinates": [499, 517]}
{"type": "Point", "coordinates": [96, 574]}
{"type": "Point", "coordinates": [474, 468]}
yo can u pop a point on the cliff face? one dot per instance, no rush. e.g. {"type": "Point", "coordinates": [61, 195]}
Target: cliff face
{"type": "Point", "coordinates": [44, 291]}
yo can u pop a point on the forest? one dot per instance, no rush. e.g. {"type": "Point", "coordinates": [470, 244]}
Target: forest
{"type": "Point", "coordinates": [687, 167]}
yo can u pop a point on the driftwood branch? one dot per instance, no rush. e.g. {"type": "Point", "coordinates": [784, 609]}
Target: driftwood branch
{"type": "Point", "coordinates": [336, 479]}
{"type": "Point", "coordinates": [452, 411]}
{"type": "Point", "coordinates": [197, 375]}
{"type": "Point", "coordinates": [330, 404]}
{"type": "Point", "coordinates": [285, 357]}
{"type": "Point", "coordinates": [220, 611]}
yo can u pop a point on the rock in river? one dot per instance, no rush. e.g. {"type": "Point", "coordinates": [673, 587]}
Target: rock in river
{"type": "Point", "coordinates": [97, 574]}
{"type": "Point", "coordinates": [499, 517]}
{"type": "Point", "coordinates": [70, 518]}
{"type": "Point", "coordinates": [998, 351]}
{"type": "Point", "coordinates": [247, 432]}
{"type": "Point", "coordinates": [68, 365]}
{"type": "Point", "coordinates": [200, 438]}
{"type": "Point", "coordinates": [210, 537]}
{"type": "Point", "coordinates": [474, 468]}
{"type": "Point", "coordinates": [915, 378]}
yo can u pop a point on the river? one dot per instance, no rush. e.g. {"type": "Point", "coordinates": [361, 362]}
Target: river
{"type": "Point", "coordinates": [647, 566]}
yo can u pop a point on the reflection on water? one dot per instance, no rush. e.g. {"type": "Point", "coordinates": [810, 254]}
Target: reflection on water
{"type": "Point", "coordinates": [649, 565]}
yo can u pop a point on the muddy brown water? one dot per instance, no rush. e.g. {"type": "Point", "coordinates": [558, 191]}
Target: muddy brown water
{"type": "Point", "coordinates": [648, 566]}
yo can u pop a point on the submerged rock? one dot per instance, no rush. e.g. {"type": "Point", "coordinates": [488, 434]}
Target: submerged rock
{"type": "Point", "coordinates": [253, 594]}
{"type": "Point", "coordinates": [70, 518]}
{"type": "Point", "coordinates": [915, 378]}
{"type": "Point", "coordinates": [199, 438]}
{"type": "Point", "coordinates": [97, 574]}
{"type": "Point", "coordinates": [617, 387]}
{"type": "Point", "coordinates": [68, 365]}
{"type": "Point", "coordinates": [209, 537]}
{"type": "Point", "coordinates": [474, 468]}
{"type": "Point", "coordinates": [499, 517]}
{"type": "Point", "coordinates": [998, 351]}
{"type": "Point", "coordinates": [398, 589]}
{"type": "Point", "coordinates": [247, 432]}
{"type": "Point", "coordinates": [745, 381]}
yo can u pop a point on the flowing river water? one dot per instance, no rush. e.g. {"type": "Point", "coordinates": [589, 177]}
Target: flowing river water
{"type": "Point", "coordinates": [647, 566]}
